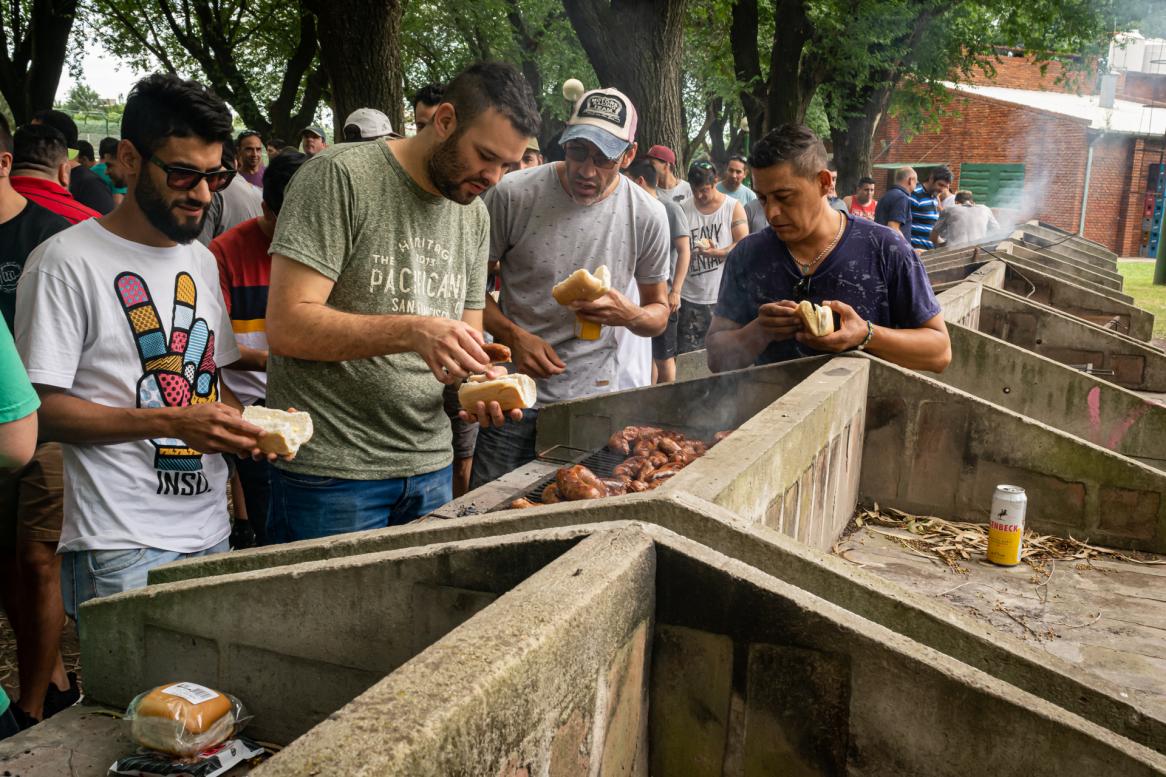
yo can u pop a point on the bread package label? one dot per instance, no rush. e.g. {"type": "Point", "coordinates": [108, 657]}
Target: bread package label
{"type": "Point", "coordinates": [191, 692]}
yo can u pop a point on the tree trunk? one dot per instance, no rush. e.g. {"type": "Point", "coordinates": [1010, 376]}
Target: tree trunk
{"type": "Point", "coordinates": [852, 143]}
{"type": "Point", "coordinates": [359, 49]}
{"type": "Point", "coordinates": [31, 59]}
{"type": "Point", "coordinates": [747, 64]}
{"type": "Point", "coordinates": [794, 75]}
{"type": "Point", "coordinates": [636, 46]}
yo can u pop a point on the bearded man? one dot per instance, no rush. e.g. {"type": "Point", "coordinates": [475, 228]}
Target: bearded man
{"type": "Point", "coordinates": [378, 279]}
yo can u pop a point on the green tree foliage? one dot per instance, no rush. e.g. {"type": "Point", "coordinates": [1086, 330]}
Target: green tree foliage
{"type": "Point", "coordinates": [82, 98]}
{"type": "Point", "coordinates": [259, 55]}
{"type": "Point", "coordinates": [34, 39]}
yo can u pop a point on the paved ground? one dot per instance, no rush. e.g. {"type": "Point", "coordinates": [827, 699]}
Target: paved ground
{"type": "Point", "coordinates": [1105, 617]}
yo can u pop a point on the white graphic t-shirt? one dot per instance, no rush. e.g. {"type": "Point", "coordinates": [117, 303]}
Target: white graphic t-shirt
{"type": "Point", "coordinates": [681, 193]}
{"type": "Point", "coordinates": [704, 271]}
{"type": "Point", "coordinates": [127, 325]}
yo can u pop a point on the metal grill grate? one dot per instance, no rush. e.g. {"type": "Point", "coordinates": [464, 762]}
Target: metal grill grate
{"type": "Point", "coordinates": [601, 462]}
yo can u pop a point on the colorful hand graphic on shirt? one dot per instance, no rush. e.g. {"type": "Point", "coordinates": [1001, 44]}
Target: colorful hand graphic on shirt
{"type": "Point", "coordinates": [178, 372]}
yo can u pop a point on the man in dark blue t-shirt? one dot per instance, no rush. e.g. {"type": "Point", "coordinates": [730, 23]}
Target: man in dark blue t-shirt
{"type": "Point", "coordinates": [866, 273]}
{"type": "Point", "coordinates": [894, 209]}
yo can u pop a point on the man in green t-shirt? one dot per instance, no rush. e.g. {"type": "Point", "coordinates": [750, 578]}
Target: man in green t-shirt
{"type": "Point", "coordinates": [18, 404]}
{"type": "Point", "coordinates": [377, 289]}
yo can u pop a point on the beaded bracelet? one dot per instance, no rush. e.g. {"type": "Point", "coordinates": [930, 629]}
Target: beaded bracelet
{"type": "Point", "coordinates": [869, 335]}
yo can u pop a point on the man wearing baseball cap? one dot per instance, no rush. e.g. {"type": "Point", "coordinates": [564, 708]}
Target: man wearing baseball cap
{"type": "Point", "coordinates": [367, 124]}
{"type": "Point", "coordinates": [313, 140]}
{"type": "Point", "coordinates": [668, 186]}
{"type": "Point", "coordinates": [546, 222]}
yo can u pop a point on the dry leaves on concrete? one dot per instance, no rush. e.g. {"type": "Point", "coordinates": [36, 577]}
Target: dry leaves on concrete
{"type": "Point", "coordinates": [954, 542]}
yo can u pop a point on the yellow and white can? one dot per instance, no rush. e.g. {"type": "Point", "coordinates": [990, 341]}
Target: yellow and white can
{"type": "Point", "coordinates": [1006, 525]}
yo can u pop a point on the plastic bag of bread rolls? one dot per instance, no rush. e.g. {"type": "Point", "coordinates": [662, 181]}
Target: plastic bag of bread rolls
{"type": "Point", "coordinates": [184, 719]}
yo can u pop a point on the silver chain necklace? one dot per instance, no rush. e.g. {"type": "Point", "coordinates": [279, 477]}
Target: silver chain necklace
{"type": "Point", "coordinates": [807, 266]}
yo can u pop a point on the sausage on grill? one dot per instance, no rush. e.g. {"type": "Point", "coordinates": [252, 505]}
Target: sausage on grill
{"type": "Point", "coordinates": [551, 494]}
{"type": "Point", "coordinates": [521, 504]}
{"type": "Point", "coordinates": [578, 482]}
{"type": "Point", "coordinates": [496, 352]}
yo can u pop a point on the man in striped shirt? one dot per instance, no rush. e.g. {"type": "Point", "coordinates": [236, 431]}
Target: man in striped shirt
{"type": "Point", "coordinates": [925, 206]}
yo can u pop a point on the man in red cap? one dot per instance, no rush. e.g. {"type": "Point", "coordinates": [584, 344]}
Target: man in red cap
{"type": "Point", "coordinates": [668, 186]}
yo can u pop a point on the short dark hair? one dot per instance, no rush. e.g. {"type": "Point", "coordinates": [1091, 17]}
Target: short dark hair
{"type": "Point", "coordinates": [430, 94]}
{"type": "Point", "coordinates": [865, 180]}
{"type": "Point", "coordinates": [793, 143]}
{"type": "Point", "coordinates": [277, 143]}
{"type": "Point", "coordinates": [642, 168]}
{"type": "Point", "coordinates": [964, 196]}
{"type": "Point", "coordinates": [736, 158]}
{"type": "Point", "coordinates": [228, 153]}
{"type": "Point", "coordinates": [63, 123]}
{"type": "Point", "coordinates": [941, 173]}
{"type": "Point", "coordinates": [352, 133]}
{"type": "Point", "coordinates": [163, 105]}
{"type": "Point", "coordinates": [701, 173]}
{"type": "Point", "coordinates": [250, 133]}
{"type": "Point", "coordinates": [276, 177]}
{"type": "Point", "coordinates": [108, 146]}
{"type": "Point", "coordinates": [494, 85]}
{"type": "Point", "coordinates": [39, 145]}
{"type": "Point", "coordinates": [85, 150]}
{"type": "Point", "coordinates": [5, 136]}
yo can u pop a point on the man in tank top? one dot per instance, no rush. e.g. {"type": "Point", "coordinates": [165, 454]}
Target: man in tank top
{"type": "Point", "coordinates": [862, 203]}
{"type": "Point", "coordinates": [716, 222]}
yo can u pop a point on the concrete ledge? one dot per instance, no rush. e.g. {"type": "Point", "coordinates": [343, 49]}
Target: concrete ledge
{"type": "Point", "coordinates": [1044, 330]}
{"type": "Point", "coordinates": [1064, 398]}
{"type": "Point", "coordinates": [1043, 236]}
{"type": "Point", "coordinates": [553, 680]}
{"type": "Point", "coordinates": [933, 450]}
{"type": "Point", "coordinates": [961, 304]}
{"type": "Point", "coordinates": [794, 466]}
{"type": "Point", "coordinates": [1083, 275]}
{"type": "Point", "coordinates": [249, 632]}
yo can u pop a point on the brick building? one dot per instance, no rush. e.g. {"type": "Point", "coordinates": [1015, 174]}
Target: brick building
{"type": "Point", "coordinates": [1026, 145]}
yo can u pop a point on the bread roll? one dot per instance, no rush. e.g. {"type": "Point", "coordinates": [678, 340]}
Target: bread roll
{"type": "Point", "coordinates": [582, 285]}
{"type": "Point", "coordinates": [818, 319]}
{"type": "Point", "coordinates": [182, 719]}
{"type": "Point", "coordinates": [512, 392]}
{"type": "Point", "coordinates": [283, 432]}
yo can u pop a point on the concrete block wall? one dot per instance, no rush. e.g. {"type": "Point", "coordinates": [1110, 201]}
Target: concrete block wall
{"type": "Point", "coordinates": [551, 679]}
{"type": "Point", "coordinates": [1029, 282]}
{"type": "Point", "coordinates": [1057, 251]}
{"type": "Point", "coordinates": [1064, 398]}
{"type": "Point", "coordinates": [1049, 332]}
{"type": "Point", "coordinates": [795, 465]}
{"type": "Point", "coordinates": [933, 450]}
{"type": "Point", "coordinates": [961, 305]}
{"type": "Point", "coordinates": [1041, 236]}
{"type": "Point", "coordinates": [1078, 272]}
{"type": "Point", "coordinates": [297, 642]}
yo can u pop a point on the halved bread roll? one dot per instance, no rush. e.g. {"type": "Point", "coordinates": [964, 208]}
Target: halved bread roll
{"type": "Point", "coordinates": [514, 391]}
{"type": "Point", "coordinates": [819, 319]}
{"type": "Point", "coordinates": [583, 285]}
{"type": "Point", "coordinates": [283, 432]}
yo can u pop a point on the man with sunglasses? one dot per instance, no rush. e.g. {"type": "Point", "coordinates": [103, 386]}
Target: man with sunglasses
{"type": "Point", "coordinates": [866, 273]}
{"type": "Point", "coordinates": [378, 274]}
{"type": "Point", "coordinates": [121, 324]}
{"type": "Point", "coordinates": [545, 223]}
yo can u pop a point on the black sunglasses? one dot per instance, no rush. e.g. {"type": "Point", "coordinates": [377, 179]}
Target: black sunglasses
{"type": "Point", "coordinates": [183, 179]}
{"type": "Point", "coordinates": [581, 154]}
{"type": "Point", "coordinates": [802, 288]}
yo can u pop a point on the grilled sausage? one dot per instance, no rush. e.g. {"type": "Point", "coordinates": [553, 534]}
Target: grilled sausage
{"type": "Point", "coordinates": [644, 447]}
{"type": "Point", "coordinates": [618, 443]}
{"type": "Point", "coordinates": [666, 471]}
{"type": "Point", "coordinates": [551, 494]}
{"type": "Point", "coordinates": [658, 458]}
{"type": "Point", "coordinates": [497, 352]}
{"type": "Point", "coordinates": [615, 486]}
{"type": "Point", "coordinates": [578, 482]}
{"type": "Point", "coordinates": [669, 446]}
{"type": "Point", "coordinates": [521, 504]}
{"type": "Point", "coordinates": [629, 468]}
{"type": "Point", "coordinates": [636, 486]}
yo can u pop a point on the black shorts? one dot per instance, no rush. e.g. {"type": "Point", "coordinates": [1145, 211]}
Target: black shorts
{"type": "Point", "coordinates": [693, 325]}
{"type": "Point", "coordinates": [465, 435]}
{"type": "Point", "coordinates": [664, 344]}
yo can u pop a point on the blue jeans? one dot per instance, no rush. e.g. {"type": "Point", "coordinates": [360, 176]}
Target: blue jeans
{"type": "Point", "coordinates": [88, 574]}
{"type": "Point", "coordinates": [305, 507]}
{"type": "Point", "coordinates": [502, 449]}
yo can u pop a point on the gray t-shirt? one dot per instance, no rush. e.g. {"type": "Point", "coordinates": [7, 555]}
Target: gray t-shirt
{"type": "Point", "coordinates": [677, 227]}
{"type": "Point", "coordinates": [679, 193]}
{"type": "Point", "coordinates": [755, 214]}
{"type": "Point", "coordinates": [963, 224]}
{"type": "Point", "coordinates": [540, 236]}
{"type": "Point", "coordinates": [353, 214]}
{"type": "Point", "coordinates": [230, 207]}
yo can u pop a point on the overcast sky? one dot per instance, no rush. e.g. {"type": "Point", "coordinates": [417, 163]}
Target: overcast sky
{"type": "Point", "coordinates": [103, 72]}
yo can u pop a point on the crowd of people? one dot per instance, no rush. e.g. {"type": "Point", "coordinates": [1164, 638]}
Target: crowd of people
{"type": "Point", "coordinates": [359, 282]}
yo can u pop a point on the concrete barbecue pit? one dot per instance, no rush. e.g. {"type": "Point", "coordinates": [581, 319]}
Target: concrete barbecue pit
{"type": "Point", "coordinates": [702, 628]}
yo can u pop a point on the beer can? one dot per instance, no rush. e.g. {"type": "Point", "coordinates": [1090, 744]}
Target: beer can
{"type": "Point", "coordinates": [1006, 525]}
